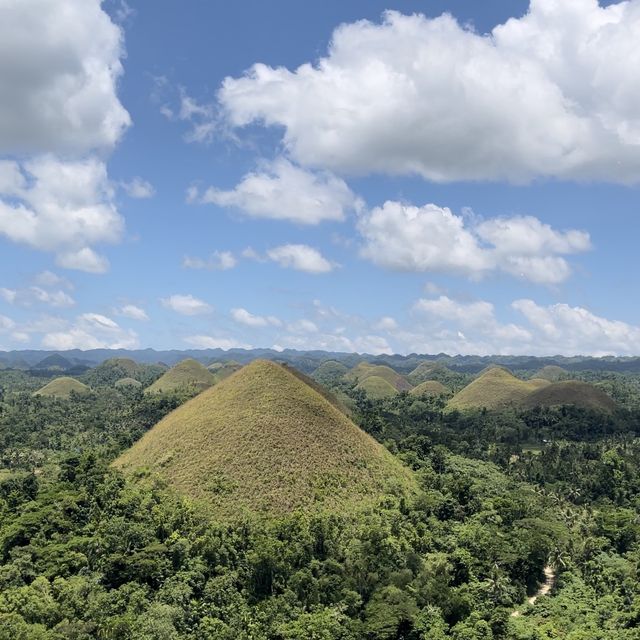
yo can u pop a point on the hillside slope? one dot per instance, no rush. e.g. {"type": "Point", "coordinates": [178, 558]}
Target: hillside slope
{"type": "Point", "coordinates": [62, 388]}
{"type": "Point", "coordinates": [263, 441]}
{"type": "Point", "coordinates": [570, 392]}
{"type": "Point", "coordinates": [186, 374]}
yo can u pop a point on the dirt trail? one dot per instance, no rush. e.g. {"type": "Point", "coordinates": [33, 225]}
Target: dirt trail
{"type": "Point", "coordinates": [545, 587]}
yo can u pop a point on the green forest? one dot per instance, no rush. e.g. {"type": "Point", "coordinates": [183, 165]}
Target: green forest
{"type": "Point", "coordinates": [524, 526]}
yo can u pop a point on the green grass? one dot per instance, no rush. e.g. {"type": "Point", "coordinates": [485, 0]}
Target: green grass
{"type": "Point", "coordinates": [62, 388]}
{"type": "Point", "coordinates": [263, 441]}
{"type": "Point", "coordinates": [222, 370]}
{"type": "Point", "coordinates": [330, 372]}
{"type": "Point", "coordinates": [495, 388]}
{"type": "Point", "coordinates": [377, 388]}
{"type": "Point", "coordinates": [570, 392]}
{"type": "Point", "coordinates": [186, 374]}
{"type": "Point", "coordinates": [426, 371]}
{"type": "Point", "coordinates": [429, 388]}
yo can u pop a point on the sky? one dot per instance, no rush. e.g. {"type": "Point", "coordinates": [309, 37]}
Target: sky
{"type": "Point", "coordinates": [406, 177]}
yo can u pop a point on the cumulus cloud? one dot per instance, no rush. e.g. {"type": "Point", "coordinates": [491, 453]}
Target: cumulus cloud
{"type": "Point", "coordinates": [59, 69]}
{"type": "Point", "coordinates": [138, 188]}
{"type": "Point", "coordinates": [212, 342]}
{"type": "Point", "coordinates": [61, 207]}
{"type": "Point", "coordinates": [430, 238]}
{"type": "Point", "coordinates": [370, 344]}
{"type": "Point", "coordinates": [242, 316]}
{"type": "Point", "coordinates": [576, 330]}
{"type": "Point", "coordinates": [91, 331]}
{"type": "Point", "coordinates": [300, 257]}
{"type": "Point", "coordinates": [553, 93]}
{"type": "Point", "coordinates": [132, 311]}
{"type": "Point", "coordinates": [282, 191]}
{"type": "Point", "coordinates": [186, 305]}
{"type": "Point", "coordinates": [218, 261]}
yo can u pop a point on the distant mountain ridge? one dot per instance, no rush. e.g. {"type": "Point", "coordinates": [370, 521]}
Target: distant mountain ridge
{"type": "Point", "coordinates": [308, 361]}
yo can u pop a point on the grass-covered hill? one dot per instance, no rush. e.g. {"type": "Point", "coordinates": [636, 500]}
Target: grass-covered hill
{"type": "Point", "coordinates": [107, 373]}
{"type": "Point", "coordinates": [188, 374]}
{"type": "Point", "coordinates": [552, 373]}
{"type": "Point", "coordinates": [570, 392]}
{"type": "Point", "coordinates": [429, 388]}
{"type": "Point", "coordinates": [127, 383]}
{"type": "Point", "coordinates": [62, 387]}
{"type": "Point", "coordinates": [222, 370]}
{"type": "Point", "coordinates": [495, 388]}
{"type": "Point", "coordinates": [54, 362]}
{"type": "Point", "coordinates": [366, 370]}
{"type": "Point", "coordinates": [376, 387]}
{"type": "Point", "coordinates": [264, 441]}
{"type": "Point", "coordinates": [330, 372]}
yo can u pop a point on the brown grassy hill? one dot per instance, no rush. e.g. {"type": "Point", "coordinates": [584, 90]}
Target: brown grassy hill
{"type": "Point", "coordinates": [570, 392]}
{"type": "Point", "coordinates": [495, 388]}
{"type": "Point", "coordinates": [366, 370]}
{"type": "Point", "coordinates": [186, 374]}
{"type": "Point", "coordinates": [426, 371]}
{"type": "Point", "coordinates": [263, 441]}
{"type": "Point", "coordinates": [62, 388]}
{"type": "Point", "coordinates": [376, 387]}
{"type": "Point", "coordinates": [552, 373]}
{"type": "Point", "coordinates": [330, 372]}
{"type": "Point", "coordinates": [538, 383]}
{"type": "Point", "coordinates": [130, 383]}
{"type": "Point", "coordinates": [429, 388]}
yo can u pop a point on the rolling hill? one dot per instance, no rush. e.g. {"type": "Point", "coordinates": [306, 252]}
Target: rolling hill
{"type": "Point", "coordinates": [570, 392]}
{"type": "Point", "coordinates": [62, 388]}
{"type": "Point", "coordinates": [186, 374]}
{"type": "Point", "coordinates": [130, 383]}
{"type": "Point", "coordinates": [330, 372]}
{"type": "Point", "coordinates": [495, 388]}
{"type": "Point", "coordinates": [263, 441]}
{"type": "Point", "coordinates": [222, 370]}
{"type": "Point", "coordinates": [552, 373]}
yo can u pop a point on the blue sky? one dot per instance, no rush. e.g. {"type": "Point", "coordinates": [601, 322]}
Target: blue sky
{"type": "Point", "coordinates": [387, 179]}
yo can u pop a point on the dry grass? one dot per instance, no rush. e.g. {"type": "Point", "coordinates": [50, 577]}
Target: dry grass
{"type": "Point", "coordinates": [570, 392]}
{"type": "Point", "coordinates": [264, 441]}
{"type": "Point", "coordinates": [427, 371]}
{"type": "Point", "coordinates": [222, 370]}
{"type": "Point", "coordinates": [429, 388]}
{"type": "Point", "coordinates": [495, 388]}
{"type": "Point", "coordinates": [377, 388]}
{"type": "Point", "coordinates": [186, 374]}
{"type": "Point", "coordinates": [62, 388]}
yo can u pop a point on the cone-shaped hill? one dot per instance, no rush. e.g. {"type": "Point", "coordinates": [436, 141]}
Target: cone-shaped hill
{"type": "Point", "coordinates": [366, 370]}
{"type": "Point", "coordinates": [330, 372]}
{"type": "Point", "coordinates": [62, 388]}
{"type": "Point", "coordinates": [495, 388]}
{"type": "Point", "coordinates": [186, 374]}
{"type": "Point", "coordinates": [570, 392]}
{"type": "Point", "coordinates": [552, 373]}
{"type": "Point", "coordinates": [429, 388]}
{"type": "Point", "coordinates": [264, 441]}
{"type": "Point", "coordinates": [127, 383]}
{"type": "Point", "coordinates": [222, 370]}
{"type": "Point", "coordinates": [376, 387]}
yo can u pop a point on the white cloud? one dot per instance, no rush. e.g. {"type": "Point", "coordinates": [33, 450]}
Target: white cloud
{"type": "Point", "coordinates": [386, 323]}
{"type": "Point", "coordinates": [61, 207]}
{"type": "Point", "coordinates": [59, 68]}
{"type": "Point", "coordinates": [8, 295]}
{"type": "Point", "coordinates": [244, 317]}
{"type": "Point", "coordinates": [50, 279]}
{"type": "Point", "coordinates": [187, 305]}
{"type": "Point", "coordinates": [211, 342]}
{"type": "Point", "coordinates": [370, 344]}
{"type": "Point", "coordinates": [133, 311]}
{"type": "Point", "coordinates": [6, 324]}
{"type": "Point", "coordinates": [300, 257]}
{"type": "Point", "coordinates": [282, 191]}
{"type": "Point", "coordinates": [91, 331]}
{"type": "Point", "coordinates": [430, 238]}
{"type": "Point", "coordinates": [218, 261]}
{"type": "Point", "coordinates": [138, 188]}
{"type": "Point", "coordinates": [303, 326]}
{"type": "Point", "coordinates": [553, 93]}
{"type": "Point", "coordinates": [576, 330]}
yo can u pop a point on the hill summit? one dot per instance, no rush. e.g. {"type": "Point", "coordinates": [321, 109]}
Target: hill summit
{"type": "Point", "coordinates": [62, 387]}
{"type": "Point", "coordinates": [264, 441]}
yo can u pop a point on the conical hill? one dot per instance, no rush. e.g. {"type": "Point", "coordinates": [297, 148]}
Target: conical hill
{"type": "Point", "coordinates": [264, 441]}
{"type": "Point", "coordinates": [62, 387]}
{"type": "Point", "coordinates": [186, 374]}
{"type": "Point", "coordinates": [571, 392]}
{"type": "Point", "coordinates": [495, 388]}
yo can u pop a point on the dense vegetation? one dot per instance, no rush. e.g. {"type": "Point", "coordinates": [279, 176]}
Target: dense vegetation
{"type": "Point", "coordinates": [87, 553]}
